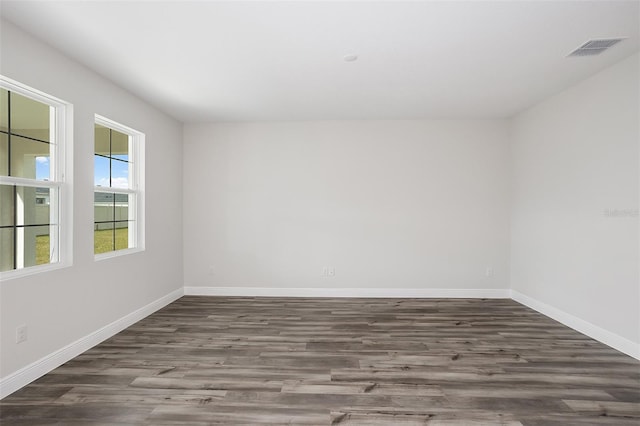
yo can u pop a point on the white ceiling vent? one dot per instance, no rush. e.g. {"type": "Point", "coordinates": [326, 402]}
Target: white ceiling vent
{"type": "Point", "coordinates": [595, 47]}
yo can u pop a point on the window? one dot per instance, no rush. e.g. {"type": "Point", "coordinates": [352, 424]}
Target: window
{"type": "Point", "coordinates": [118, 203]}
{"type": "Point", "coordinates": [34, 200]}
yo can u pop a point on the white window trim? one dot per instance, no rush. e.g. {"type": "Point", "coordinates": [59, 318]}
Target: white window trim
{"type": "Point", "coordinates": [136, 179]}
{"type": "Point", "coordinates": [62, 171]}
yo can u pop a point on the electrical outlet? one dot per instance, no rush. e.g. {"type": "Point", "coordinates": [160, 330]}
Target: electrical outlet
{"type": "Point", "coordinates": [21, 333]}
{"type": "Point", "coordinates": [489, 271]}
{"type": "Point", "coordinates": [328, 271]}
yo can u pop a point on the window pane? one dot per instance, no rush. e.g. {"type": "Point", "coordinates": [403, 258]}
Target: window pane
{"type": "Point", "coordinates": [30, 159]}
{"type": "Point", "coordinates": [32, 205]}
{"type": "Point", "coordinates": [43, 244]}
{"type": "Point", "coordinates": [103, 238]}
{"type": "Point", "coordinates": [103, 209]}
{"type": "Point", "coordinates": [119, 174]}
{"type": "Point", "coordinates": [43, 168]}
{"type": "Point", "coordinates": [122, 235]}
{"type": "Point", "coordinates": [6, 249]}
{"type": "Point", "coordinates": [4, 154]}
{"type": "Point", "coordinates": [7, 205]}
{"type": "Point", "coordinates": [101, 171]}
{"type": "Point", "coordinates": [33, 245]}
{"type": "Point", "coordinates": [102, 141]}
{"type": "Point", "coordinates": [32, 242]}
{"type": "Point", "coordinates": [43, 206]}
{"type": "Point", "coordinates": [29, 118]}
{"type": "Point", "coordinates": [122, 207]}
{"type": "Point", "coordinates": [4, 110]}
{"type": "Point", "coordinates": [119, 145]}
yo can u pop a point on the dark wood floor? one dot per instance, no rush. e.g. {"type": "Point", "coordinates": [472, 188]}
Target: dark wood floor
{"type": "Point", "coordinates": [214, 360]}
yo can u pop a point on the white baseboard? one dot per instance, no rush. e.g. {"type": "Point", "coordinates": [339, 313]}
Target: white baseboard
{"type": "Point", "coordinates": [491, 293]}
{"type": "Point", "coordinates": [615, 341]}
{"type": "Point", "coordinates": [33, 371]}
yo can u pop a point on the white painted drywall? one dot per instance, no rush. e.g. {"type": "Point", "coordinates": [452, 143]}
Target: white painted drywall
{"type": "Point", "coordinates": [62, 306]}
{"type": "Point", "coordinates": [388, 204]}
{"type": "Point", "coordinates": [574, 232]}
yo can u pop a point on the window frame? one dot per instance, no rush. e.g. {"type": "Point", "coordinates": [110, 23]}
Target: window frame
{"type": "Point", "coordinates": [136, 188]}
{"type": "Point", "coordinates": [60, 180]}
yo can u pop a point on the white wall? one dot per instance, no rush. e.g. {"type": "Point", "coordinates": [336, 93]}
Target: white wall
{"type": "Point", "coordinates": [389, 204]}
{"type": "Point", "coordinates": [62, 306]}
{"type": "Point", "coordinates": [575, 157]}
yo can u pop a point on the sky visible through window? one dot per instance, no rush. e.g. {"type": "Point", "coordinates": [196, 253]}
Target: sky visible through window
{"type": "Point", "coordinates": [119, 173]}
{"type": "Point", "coordinates": [119, 170]}
{"type": "Point", "coordinates": [42, 168]}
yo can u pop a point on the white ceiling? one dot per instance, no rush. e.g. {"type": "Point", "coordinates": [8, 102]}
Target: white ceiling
{"type": "Point", "coordinates": [219, 61]}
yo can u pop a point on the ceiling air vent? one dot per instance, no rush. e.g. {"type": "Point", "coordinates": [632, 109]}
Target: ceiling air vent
{"type": "Point", "coordinates": [595, 47]}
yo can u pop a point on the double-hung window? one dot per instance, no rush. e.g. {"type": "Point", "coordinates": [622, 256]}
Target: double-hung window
{"type": "Point", "coordinates": [118, 193]}
{"type": "Point", "coordinates": [35, 198]}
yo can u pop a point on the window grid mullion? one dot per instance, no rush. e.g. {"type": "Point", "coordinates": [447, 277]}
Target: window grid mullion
{"type": "Point", "coordinates": [15, 224]}
{"type": "Point", "coordinates": [9, 132]}
{"type": "Point", "coordinates": [110, 155]}
{"type": "Point", "coordinates": [113, 228]}
{"type": "Point", "coordinates": [15, 190]}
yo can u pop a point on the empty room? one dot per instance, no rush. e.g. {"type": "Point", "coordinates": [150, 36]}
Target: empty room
{"type": "Point", "coordinates": [319, 212]}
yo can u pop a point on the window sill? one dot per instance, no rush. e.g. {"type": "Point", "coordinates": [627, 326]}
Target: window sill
{"type": "Point", "coordinates": [31, 270]}
{"type": "Point", "coordinates": [117, 253]}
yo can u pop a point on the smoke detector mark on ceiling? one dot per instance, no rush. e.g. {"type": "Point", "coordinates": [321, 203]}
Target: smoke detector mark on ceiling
{"type": "Point", "coordinates": [595, 47]}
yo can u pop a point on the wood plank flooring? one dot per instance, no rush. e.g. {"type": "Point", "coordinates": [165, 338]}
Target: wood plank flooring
{"type": "Point", "coordinates": [253, 361]}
